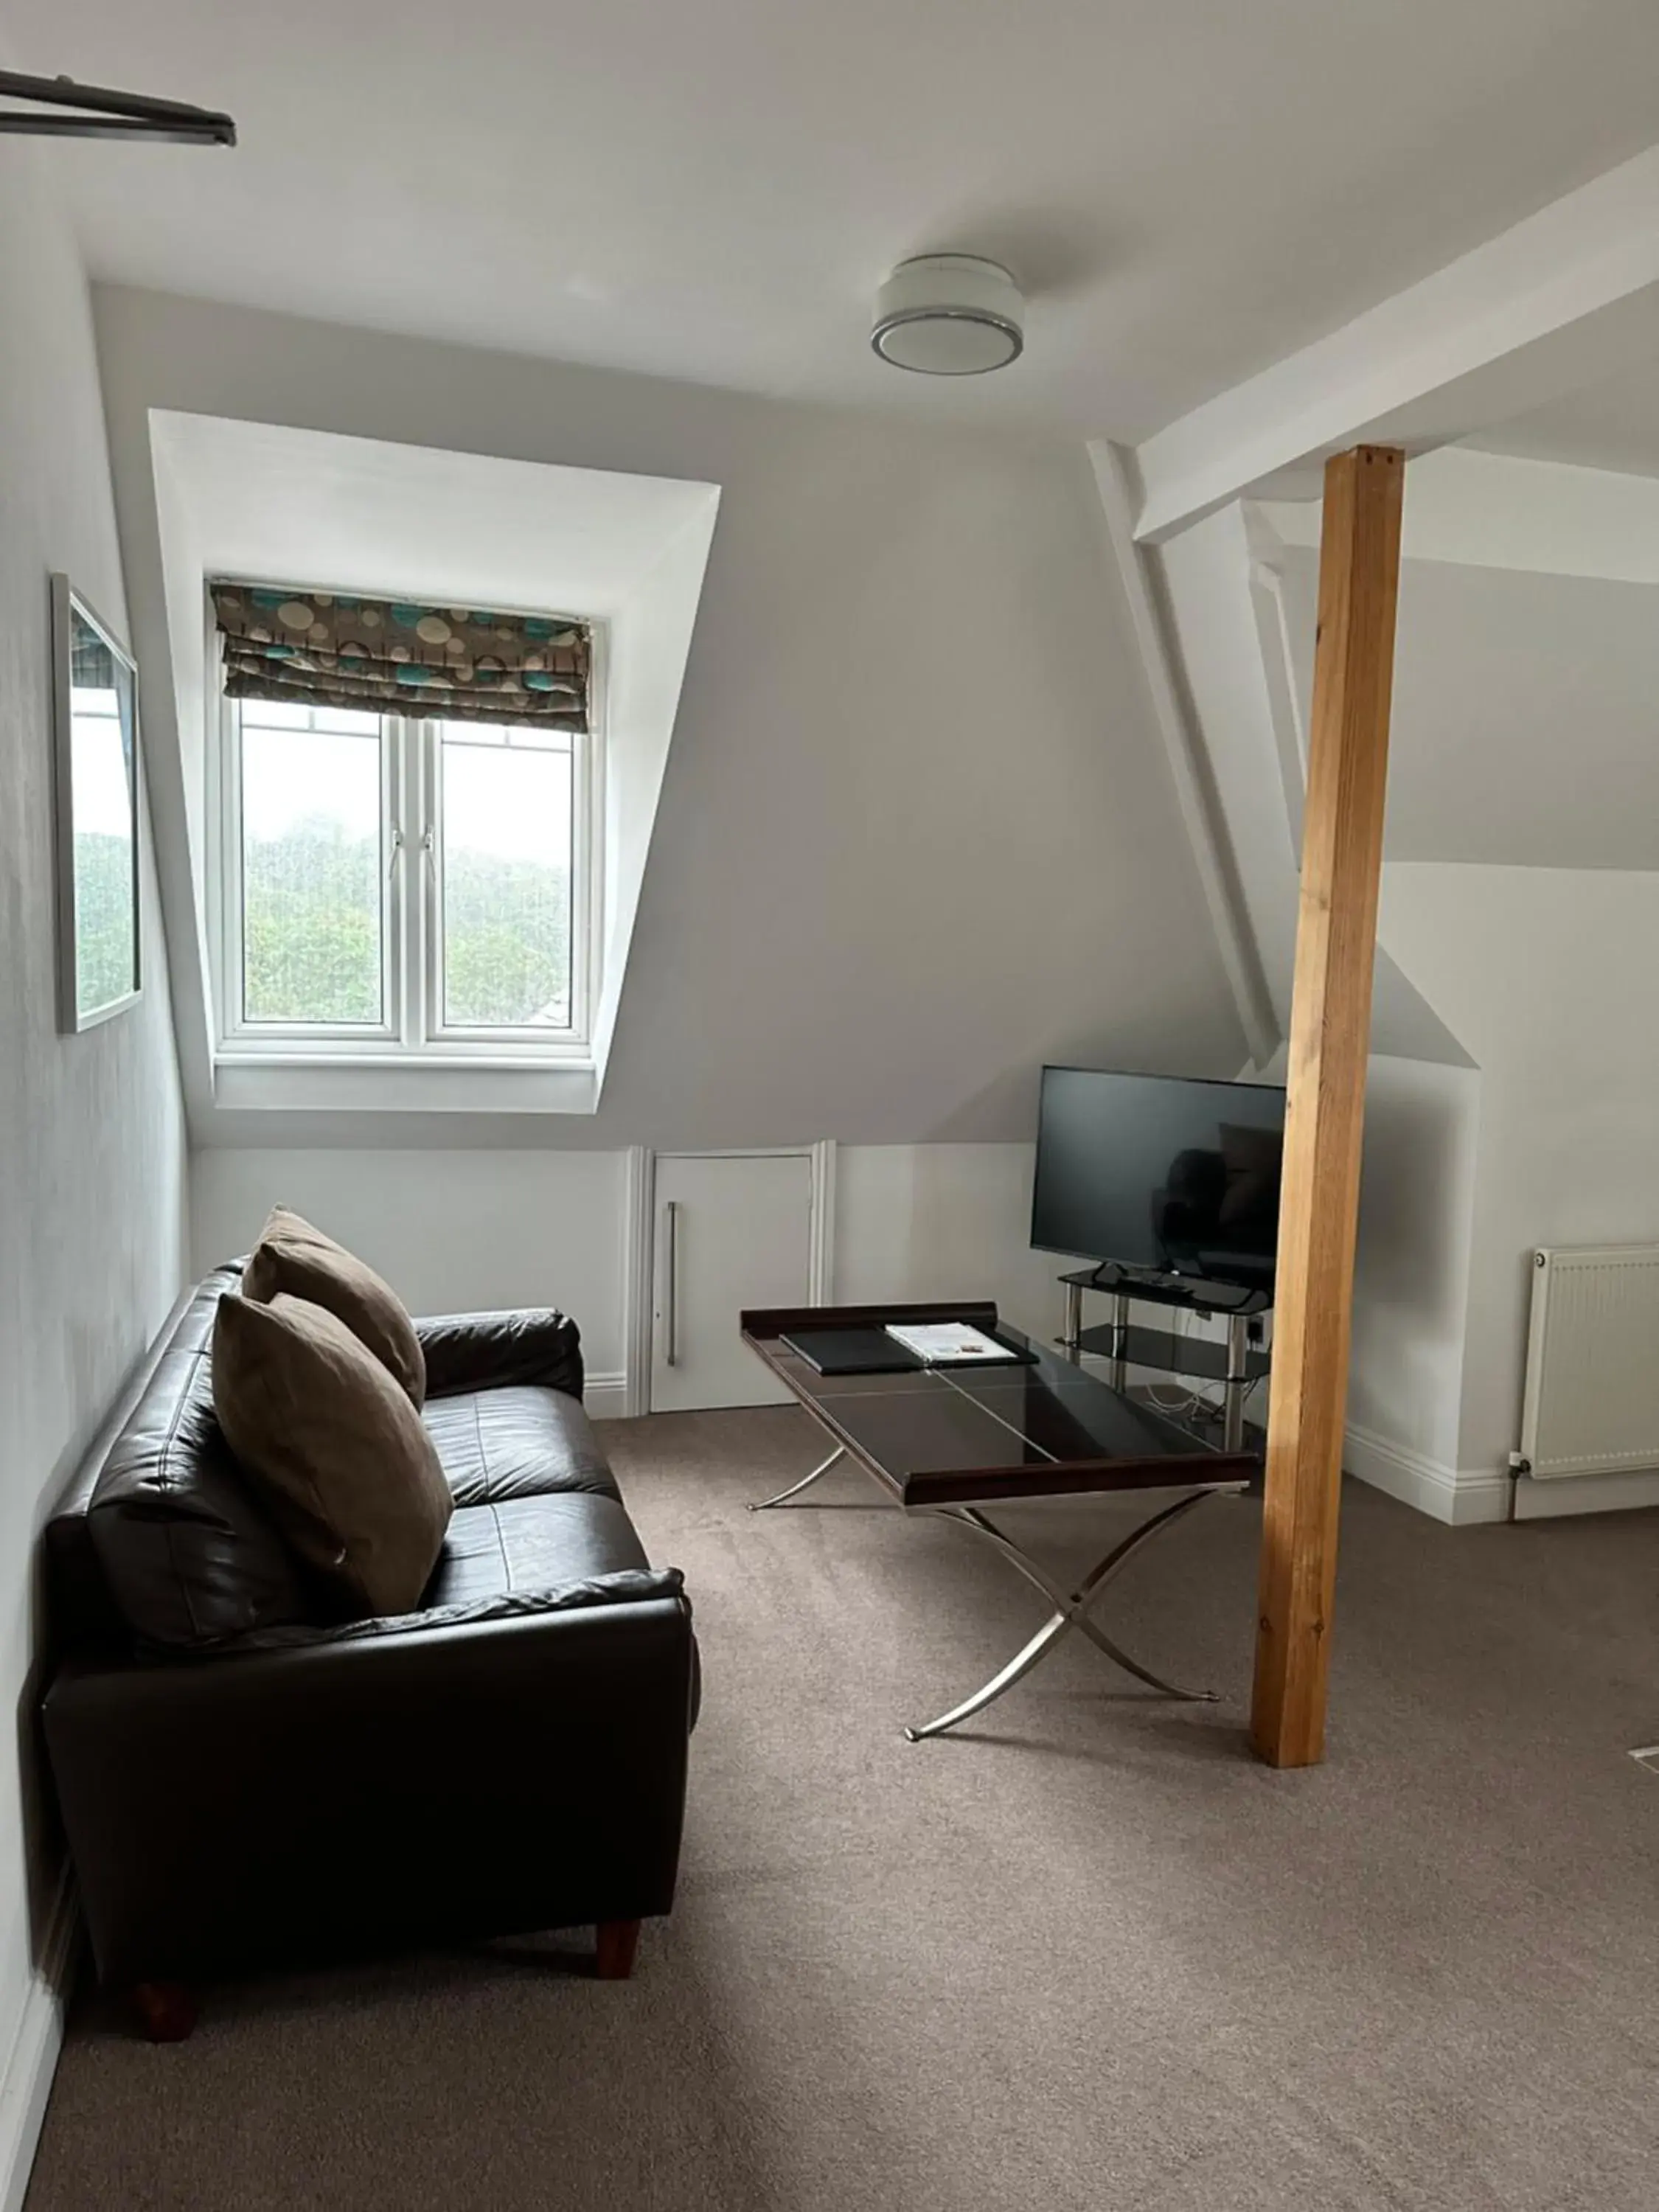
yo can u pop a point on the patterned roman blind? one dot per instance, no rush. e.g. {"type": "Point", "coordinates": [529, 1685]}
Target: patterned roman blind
{"type": "Point", "coordinates": [391, 657]}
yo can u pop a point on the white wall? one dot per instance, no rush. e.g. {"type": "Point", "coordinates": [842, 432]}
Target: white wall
{"type": "Point", "coordinates": [1412, 1287]}
{"type": "Point", "coordinates": [917, 831]}
{"type": "Point", "coordinates": [91, 1135]}
{"type": "Point", "coordinates": [1494, 667]}
{"type": "Point", "coordinates": [944, 1221]}
{"type": "Point", "coordinates": [1550, 974]}
{"type": "Point", "coordinates": [456, 1231]}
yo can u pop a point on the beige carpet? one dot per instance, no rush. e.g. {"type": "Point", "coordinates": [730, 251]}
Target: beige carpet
{"type": "Point", "coordinates": [1087, 1955]}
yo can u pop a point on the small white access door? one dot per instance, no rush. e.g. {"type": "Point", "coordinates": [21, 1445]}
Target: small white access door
{"type": "Point", "coordinates": [730, 1230]}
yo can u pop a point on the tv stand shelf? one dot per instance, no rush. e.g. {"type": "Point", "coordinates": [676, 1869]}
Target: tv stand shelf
{"type": "Point", "coordinates": [1176, 1355]}
{"type": "Point", "coordinates": [1172, 1291]}
{"type": "Point", "coordinates": [1237, 1364]}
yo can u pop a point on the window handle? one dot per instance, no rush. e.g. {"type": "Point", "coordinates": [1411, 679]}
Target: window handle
{"type": "Point", "coordinates": [396, 850]}
{"type": "Point", "coordinates": [429, 847]}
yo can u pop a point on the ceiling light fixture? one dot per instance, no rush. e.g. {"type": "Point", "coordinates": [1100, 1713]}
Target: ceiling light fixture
{"type": "Point", "coordinates": [949, 314]}
{"type": "Point", "coordinates": [112, 114]}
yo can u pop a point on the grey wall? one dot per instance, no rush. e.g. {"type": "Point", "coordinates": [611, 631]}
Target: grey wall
{"type": "Point", "coordinates": [1526, 715]}
{"type": "Point", "coordinates": [917, 834]}
{"type": "Point", "coordinates": [91, 1134]}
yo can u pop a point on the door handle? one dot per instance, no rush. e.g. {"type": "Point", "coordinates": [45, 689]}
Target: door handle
{"type": "Point", "coordinates": [672, 1217]}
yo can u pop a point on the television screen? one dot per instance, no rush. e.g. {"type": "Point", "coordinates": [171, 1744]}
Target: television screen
{"type": "Point", "coordinates": [1161, 1173]}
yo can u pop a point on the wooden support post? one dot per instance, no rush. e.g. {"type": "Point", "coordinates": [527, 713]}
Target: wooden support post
{"type": "Point", "coordinates": [1330, 1039]}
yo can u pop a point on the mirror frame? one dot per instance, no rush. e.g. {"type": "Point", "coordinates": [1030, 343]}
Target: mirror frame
{"type": "Point", "coordinates": [66, 604]}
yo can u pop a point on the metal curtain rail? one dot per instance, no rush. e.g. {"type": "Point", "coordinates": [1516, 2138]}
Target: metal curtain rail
{"type": "Point", "coordinates": [109, 114]}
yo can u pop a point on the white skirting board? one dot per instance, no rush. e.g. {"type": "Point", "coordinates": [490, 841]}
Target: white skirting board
{"type": "Point", "coordinates": [1443, 1493]}
{"type": "Point", "coordinates": [605, 1397]}
{"type": "Point", "coordinates": [26, 2083]}
{"type": "Point", "coordinates": [1462, 1498]}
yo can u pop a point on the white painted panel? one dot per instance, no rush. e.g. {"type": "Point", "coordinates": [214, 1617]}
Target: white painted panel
{"type": "Point", "coordinates": [731, 1232]}
{"type": "Point", "coordinates": [489, 1228]}
{"type": "Point", "coordinates": [451, 1232]}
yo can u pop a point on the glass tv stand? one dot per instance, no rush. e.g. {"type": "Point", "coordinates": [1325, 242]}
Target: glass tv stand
{"type": "Point", "coordinates": [1237, 1364]}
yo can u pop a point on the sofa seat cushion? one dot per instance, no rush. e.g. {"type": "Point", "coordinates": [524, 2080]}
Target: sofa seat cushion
{"type": "Point", "coordinates": [524, 1442]}
{"type": "Point", "coordinates": [524, 1544]}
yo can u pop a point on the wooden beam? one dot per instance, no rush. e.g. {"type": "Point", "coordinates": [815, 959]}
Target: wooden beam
{"type": "Point", "coordinates": [1330, 1039]}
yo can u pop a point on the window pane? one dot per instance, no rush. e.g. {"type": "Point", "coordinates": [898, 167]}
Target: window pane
{"type": "Point", "coordinates": [311, 873]}
{"type": "Point", "coordinates": [290, 714]}
{"type": "Point", "coordinates": [277, 713]}
{"type": "Point", "coordinates": [507, 866]}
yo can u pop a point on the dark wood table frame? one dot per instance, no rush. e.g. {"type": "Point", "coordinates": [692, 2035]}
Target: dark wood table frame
{"type": "Point", "coordinates": [951, 1441]}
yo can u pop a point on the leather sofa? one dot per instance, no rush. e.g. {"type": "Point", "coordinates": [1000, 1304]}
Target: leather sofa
{"type": "Point", "coordinates": [247, 1781]}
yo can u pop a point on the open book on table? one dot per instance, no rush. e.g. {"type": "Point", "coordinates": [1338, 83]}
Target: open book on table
{"type": "Point", "coordinates": [949, 1343]}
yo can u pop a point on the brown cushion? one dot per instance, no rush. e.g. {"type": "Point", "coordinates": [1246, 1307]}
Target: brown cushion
{"type": "Point", "coordinates": [293, 1256]}
{"type": "Point", "coordinates": [330, 1442]}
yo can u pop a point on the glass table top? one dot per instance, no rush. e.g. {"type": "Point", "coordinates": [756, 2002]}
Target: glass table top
{"type": "Point", "coordinates": [1041, 1428]}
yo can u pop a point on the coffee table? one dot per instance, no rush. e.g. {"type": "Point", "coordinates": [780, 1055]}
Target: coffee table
{"type": "Point", "coordinates": [953, 1441]}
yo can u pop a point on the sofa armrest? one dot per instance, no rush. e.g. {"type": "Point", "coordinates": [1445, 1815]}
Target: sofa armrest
{"type": "Point", "coordinates": [457, 1779]}
{"type": "Point", "coordinates": [496, 1351]}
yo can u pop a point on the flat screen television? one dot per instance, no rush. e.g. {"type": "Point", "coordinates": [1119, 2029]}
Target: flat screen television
{"type": "Point", "coordinates": [1160, 1175]}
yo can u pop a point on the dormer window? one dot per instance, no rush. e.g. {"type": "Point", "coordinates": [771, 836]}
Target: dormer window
{"type": "Point", "coordinates": [416, 827]}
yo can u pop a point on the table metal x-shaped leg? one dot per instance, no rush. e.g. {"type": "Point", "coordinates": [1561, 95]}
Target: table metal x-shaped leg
{"type": "Point", "coordinates": [1072, 1609]}
{"type": "Point", "coordinates": [779, 1498]}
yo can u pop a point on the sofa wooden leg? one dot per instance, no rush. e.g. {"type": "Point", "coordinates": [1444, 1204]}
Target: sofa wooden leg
{"type": "Point", "coordinates": [167, 2010]}
{"type": "Point", "coordinates": [618, 1941]}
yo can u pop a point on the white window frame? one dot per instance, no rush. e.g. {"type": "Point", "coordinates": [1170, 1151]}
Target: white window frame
{"type": "Point", "coordinates": [429, 969]}
{"type": "Point", "coordinates": [412, 1031]}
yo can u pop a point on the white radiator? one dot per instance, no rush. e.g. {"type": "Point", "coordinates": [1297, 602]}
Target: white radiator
{"type": "Point", "coordinates": [1592, 1400]}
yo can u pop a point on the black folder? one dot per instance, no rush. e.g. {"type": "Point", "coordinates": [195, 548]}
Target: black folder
{"type": "Point", "coordinates": [852, 1351]}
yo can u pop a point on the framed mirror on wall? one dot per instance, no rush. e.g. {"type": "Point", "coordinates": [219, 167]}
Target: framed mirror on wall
{"type": "Point", "coordinates": [95, 735]}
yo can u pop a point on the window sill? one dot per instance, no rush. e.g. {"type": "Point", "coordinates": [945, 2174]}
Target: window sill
{"type": "Point", "coordinates": [362, 1084]}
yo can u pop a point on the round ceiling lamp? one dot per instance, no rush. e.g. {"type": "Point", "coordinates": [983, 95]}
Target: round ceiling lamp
{"type": "Point", "coordinates": [949, 314]}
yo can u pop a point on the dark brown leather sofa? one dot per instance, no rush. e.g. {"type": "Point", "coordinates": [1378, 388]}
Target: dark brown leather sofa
{"type": "Point", "coordinates": [246, 1782]}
